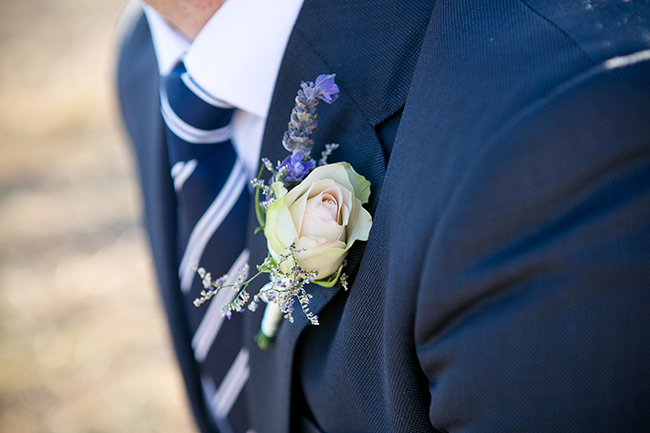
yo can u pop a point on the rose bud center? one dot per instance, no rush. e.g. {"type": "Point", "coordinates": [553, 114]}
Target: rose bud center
{"type": "Point", "coordinates": [323, 217]}
{"type": "Point", "coordinates": [330, 205]}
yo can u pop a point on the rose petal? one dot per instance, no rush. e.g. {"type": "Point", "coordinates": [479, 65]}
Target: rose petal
{"type": "Point", "coordinates": [325, 257]}
{"type": "Point", "coordinates": [315, 227]}
{"type": "Point", "coordinates": [359, 225]}
{"type": "Point", "coordinates": [280, 230]}
{"type": "Point", "coordinates": [297, 207]}
{"type": "Point", "coordinates": [332, 173]}
{"type": "Point", "coordinates": [360, 185]}
{"type": "Point", "coordinates": [329, 204]}
{"type": "Point", "coordinates": [325, 205]}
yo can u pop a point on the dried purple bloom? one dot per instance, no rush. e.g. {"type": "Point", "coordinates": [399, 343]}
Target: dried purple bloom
{"type": "Point", "coordinates": [298, 168]}
{"type": "Point", "coordinates": [297, 139]}
{"type": "Point", "coordinates": [327, 90]}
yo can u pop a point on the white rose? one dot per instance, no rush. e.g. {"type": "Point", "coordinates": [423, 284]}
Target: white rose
{"type": "Point", "coordinates": [323, 216]}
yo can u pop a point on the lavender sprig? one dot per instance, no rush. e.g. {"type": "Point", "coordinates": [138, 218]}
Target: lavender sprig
{"type": "Point", "coordinates": [297, 139]}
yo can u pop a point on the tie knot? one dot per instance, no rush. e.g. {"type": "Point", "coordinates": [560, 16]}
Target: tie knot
{"type": "Point", "coordinates": [185, 103]}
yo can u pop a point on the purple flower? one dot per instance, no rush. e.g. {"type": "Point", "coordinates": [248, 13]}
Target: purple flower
{"type": "Point", "coordinates": [326, 89]}
{"type": "Point", "coordinates": [297, 167]}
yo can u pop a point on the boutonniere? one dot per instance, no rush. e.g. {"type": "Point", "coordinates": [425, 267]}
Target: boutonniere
{"type": "Point", "coordinates": [311, 214]}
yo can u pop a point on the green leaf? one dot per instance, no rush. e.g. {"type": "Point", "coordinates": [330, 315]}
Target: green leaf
{"type": "Point", "coordinates": [331, 280]}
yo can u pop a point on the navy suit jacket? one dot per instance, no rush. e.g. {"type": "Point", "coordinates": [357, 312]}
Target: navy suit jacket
{"type": "Point", "coordinates": [505, 285]}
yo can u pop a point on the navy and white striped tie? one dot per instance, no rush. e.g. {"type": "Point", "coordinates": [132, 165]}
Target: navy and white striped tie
{"type": "Point", "coordinates": [213, 200]}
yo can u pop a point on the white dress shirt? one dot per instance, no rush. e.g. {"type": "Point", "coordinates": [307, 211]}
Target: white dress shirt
{"type": "Point", "coordinates": [235, 58]}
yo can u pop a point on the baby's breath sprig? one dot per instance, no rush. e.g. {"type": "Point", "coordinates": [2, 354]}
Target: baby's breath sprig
{"type": "Point", "coordinates": [344, 281]}
{"type": "Point", "coordinates": [266, 190]}
{"type": "Point", "coordinates": [213, 287]}
{"type": "Point", "coordinates": [283, 289]}
{"type": "Point", "coordinates": [236, 305]}
{"type": "Point", "coordinates": [305, 299]}
{"type": "Point", "coordinates": [329, 148]}
{"type": "Point", "coordinates": [206, 278]}
{"type": "Point", "coordinates": [268, 164]}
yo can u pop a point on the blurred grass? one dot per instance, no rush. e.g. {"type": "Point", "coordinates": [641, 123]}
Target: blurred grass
{"type": "Point", "coordinates": [83, 341]}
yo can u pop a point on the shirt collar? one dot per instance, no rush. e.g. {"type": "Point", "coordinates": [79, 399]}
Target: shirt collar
{"type": "Point", "coordinates": [168, 43]}
{"type": "Point", "coordinates": [236, 56]}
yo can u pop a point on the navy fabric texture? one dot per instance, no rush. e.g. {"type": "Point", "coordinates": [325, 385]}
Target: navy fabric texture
{"type": "Point", "coordinates": [505, 285]}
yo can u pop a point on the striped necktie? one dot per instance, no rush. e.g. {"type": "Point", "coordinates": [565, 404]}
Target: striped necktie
{"type": "Point", "coordinates": [213, 201]}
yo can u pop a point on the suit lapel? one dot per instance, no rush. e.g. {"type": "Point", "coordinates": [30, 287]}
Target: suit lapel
{"type": "Point", "coordinates": [374, 78]}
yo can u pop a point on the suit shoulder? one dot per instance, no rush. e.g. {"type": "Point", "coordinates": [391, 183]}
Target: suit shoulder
{"type": "Point", "coordinates": [601, 29]}
{"type": "Point", "coordinates": [136, 52]}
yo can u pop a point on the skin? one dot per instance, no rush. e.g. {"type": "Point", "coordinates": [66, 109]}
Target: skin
{"type": "Point", "coordinates": [187, 16]}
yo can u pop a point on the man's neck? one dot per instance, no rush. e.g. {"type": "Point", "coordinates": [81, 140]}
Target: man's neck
{"type": "Point", "coordinates": [187, 16]}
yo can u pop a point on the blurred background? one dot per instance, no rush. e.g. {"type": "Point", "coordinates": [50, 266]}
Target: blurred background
{"type": "Point", "coordinates": [83, 341]}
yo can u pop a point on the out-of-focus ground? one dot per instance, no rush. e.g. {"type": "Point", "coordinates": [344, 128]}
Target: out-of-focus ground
{"type": "Point", "coordinates": [83, 341]}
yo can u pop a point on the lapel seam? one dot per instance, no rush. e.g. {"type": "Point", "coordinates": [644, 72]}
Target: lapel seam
{"type": "Point", "coordinates": [359, 106]}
